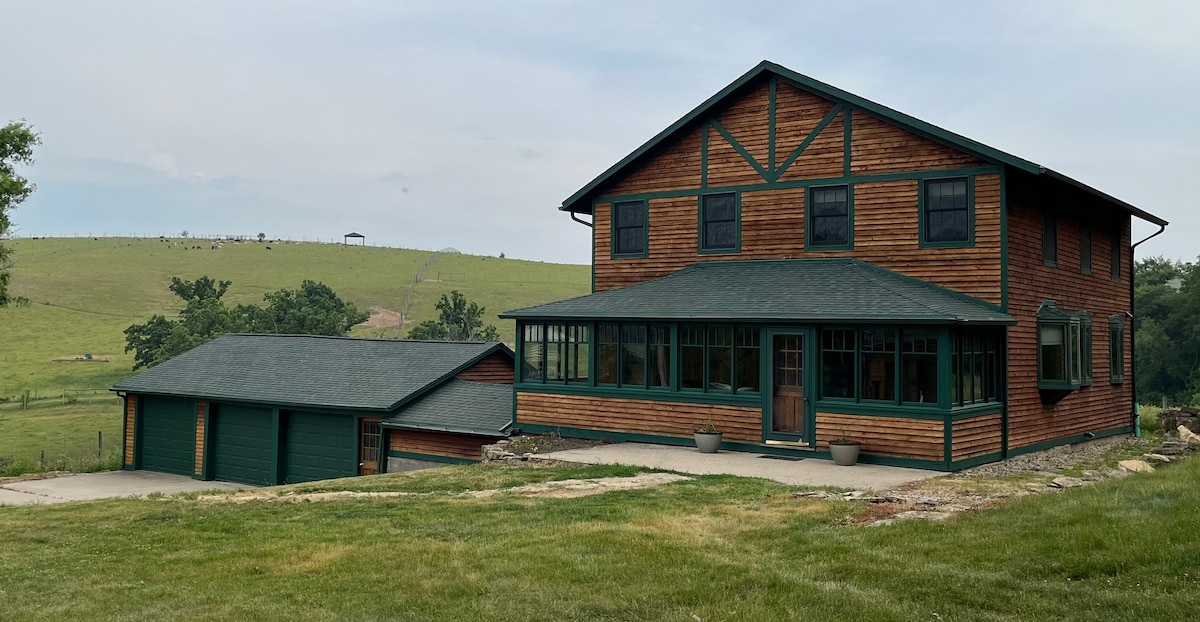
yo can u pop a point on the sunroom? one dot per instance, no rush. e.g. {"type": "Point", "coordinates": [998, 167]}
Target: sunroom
{"type": "Point", "coordinates": [809, 349]}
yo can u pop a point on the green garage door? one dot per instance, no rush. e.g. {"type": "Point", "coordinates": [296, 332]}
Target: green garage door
{"type": "Point", "coordinates": [168, 439]}
{"type": "Point", "coordinates": [320, 447]}
{"type": "Point", "coordinates": [243, 444]}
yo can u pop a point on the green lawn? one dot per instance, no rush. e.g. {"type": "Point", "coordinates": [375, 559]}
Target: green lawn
{"type": "Point", "coordinates": [85, 292]}
{"type": "Point", "coordinates": [715, 548]}
{"type": "Point", "coordinates": [67, 433]}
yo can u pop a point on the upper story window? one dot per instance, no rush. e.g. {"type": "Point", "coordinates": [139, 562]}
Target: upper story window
{"type": "Point", "coordinates": [1085, 250]}
{"type": "Point", "coordinates": [1115, 254]}
{"type": "Point", "coordinates": [1050, 240]}
{"type": "Point", "coordinates": [629, 229]}
{"type": "Point", "coordinates": [1116, 349]}
{"type": "Point", "coordinates": [719, 223]}
{"type": "Point", "coordinates": [830, 220]}
{"type": "Point", "coordinates": [946, 212]}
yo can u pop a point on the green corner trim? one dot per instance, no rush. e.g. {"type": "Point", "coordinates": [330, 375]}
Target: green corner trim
{"type": "Point", "coordinates": [392, 453]}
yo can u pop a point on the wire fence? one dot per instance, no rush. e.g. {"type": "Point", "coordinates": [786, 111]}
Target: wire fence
{"type": "Point", "coordinates": [223, 238]}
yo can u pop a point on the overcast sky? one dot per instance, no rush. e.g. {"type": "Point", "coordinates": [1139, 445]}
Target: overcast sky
{"type": "Point", "coordinates": [465, 124]}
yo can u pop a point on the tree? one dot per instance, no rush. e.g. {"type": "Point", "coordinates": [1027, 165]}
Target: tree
{"type": "Point", "coordinates": [17, 140]}
{"type": "Point", "coordinates": [314, 309]}
{"type": "Point", "coordinates": [458, 320]}
{"type": "Point", "coordinates": [262, 236]}
{"type": "Point", "coordinates": [1167, 352]}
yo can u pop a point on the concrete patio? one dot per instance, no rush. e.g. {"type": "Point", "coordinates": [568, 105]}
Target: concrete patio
{"type": "Point", "coordinates": [804, 472]}
{"type": "Point", "coordinates": [103, 485]}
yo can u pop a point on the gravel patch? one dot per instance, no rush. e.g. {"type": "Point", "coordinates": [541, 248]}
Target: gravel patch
{"type": "Point", "coordinates": [1058, 458]}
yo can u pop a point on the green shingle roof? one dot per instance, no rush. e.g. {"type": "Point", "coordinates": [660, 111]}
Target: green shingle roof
{"type": "Point", "coordinates": [312, 371]}
{"type": "Point", "coordinates": [462, 407]}
{"type": "Point", "coordinates": [802, 290]}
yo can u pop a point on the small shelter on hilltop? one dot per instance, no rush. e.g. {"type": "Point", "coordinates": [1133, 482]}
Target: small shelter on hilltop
{"type": "Point", "coordinates": [356, 235]}
{"type": "Point", "coordinates": [283, 409]}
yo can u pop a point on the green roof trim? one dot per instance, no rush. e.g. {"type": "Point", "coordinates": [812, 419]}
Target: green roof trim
{"type": "Point", "coordinates": [792, 290]}
{"type": "Point", "coordinates": [460, 406]}
{"type": "Point", "coordinates": [310, 371]}
{"type": "Point", "coordinates": [580, 202]}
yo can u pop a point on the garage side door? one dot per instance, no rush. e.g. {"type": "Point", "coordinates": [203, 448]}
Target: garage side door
{"type": "Point", "coordinates": [168, 436]}
{"type": "Point", "coordinates": [320, 447]}
{"type": "Point", "coordinates": [243, 444]}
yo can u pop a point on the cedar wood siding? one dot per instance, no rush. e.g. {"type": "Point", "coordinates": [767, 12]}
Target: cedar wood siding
{"type": "Point", "coordinates": [201, 414]}
{"type": "Point", "coordinates": [131, 402]}
{"type": "Point", "coordinates": [463, 446]}
{"type": "Point", "coordinates": [918, 439]}
{"type": "Point", "coordinates": [1101, 406]}
{"type": "Point", "coordinates": [638, 416]}
{"type": "Point", "coordinates": [496, 368]}
{"type": "Point", "coordinates": [772, 220]}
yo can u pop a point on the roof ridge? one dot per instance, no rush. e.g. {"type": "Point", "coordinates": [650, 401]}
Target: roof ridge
{"type": "Point", "coordinates": [352, 338]}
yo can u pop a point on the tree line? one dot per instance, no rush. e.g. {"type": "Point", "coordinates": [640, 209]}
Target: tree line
{"type": "Point", "coordinates": [1167, 328]}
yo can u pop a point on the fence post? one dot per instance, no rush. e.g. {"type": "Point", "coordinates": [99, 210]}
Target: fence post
{"type": "Point", "coordinates": [100, 443]}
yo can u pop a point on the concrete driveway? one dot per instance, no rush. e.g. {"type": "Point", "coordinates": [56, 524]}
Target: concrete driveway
{"type": "Point", "coordinates": [105, 485]}
{"type": "Point", "coordinates": [805, 472]}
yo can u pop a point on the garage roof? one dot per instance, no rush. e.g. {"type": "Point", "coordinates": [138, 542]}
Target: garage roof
{"type": "Point", "coordinates": [311, 371]}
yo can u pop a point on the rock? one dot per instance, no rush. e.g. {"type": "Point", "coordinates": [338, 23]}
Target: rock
{"type": "Point", "coordinates": [1156, 458]}
{"type": "Point", "coordinates": [1067, 482]}
{"type": "Point", "coordinates": [1095, 475]}
{"type": "Point", "coordinates": [922, 515]}
{"type": "Point", "coordinates": [1188, 436]}
{"type": "Point", "coordinates": [812, 494]}
{"type": "Point", "coordinates": [1135, 466]}
{"type": "Point", "coordinates": [1190, 410]}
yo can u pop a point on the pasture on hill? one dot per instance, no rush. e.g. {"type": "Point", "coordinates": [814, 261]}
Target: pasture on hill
{"type": "Point", "coordinates": [85, 291]}
{"type": "Point", "coordinates": [423, 547]}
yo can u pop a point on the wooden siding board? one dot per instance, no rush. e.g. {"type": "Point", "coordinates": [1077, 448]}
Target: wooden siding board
{"type": "Point", "coordinates": [201, 414]}
{"type": "Point", "coordinates": [130, 427]}
{"type": "Point", "coordinates": [1101, 406]}
{"type": "Point", "coordinates": [745, 120]}
{"type": "Point", "coordinates": [496, 368]}
{"type": "Point", "coordinates": [878, 146]}
{"type": "Point", "coordinates": [886, 234]}
{"type": "Point", "coordinates": [921, 439]}
{"type": "Point", "coordinates": [446, 444]}
{"type": "Point", "coordinates": [677, 166]}
{"type": "Point", "coordinates": [823, 156]}
{"type": "Point", "coordinates": [739, 423]}
{"type": "Point", "coordinates": [977, 437]}
{"type": "Point", "coordinates": [797, 114]}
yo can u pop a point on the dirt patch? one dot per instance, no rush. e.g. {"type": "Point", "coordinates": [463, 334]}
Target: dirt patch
{"type": "Point", "coordinates": [572, 488]}
{"type": "Point", "coordinates": [382, 317]}
{"type": "Point", "coordinates": [561, 489]}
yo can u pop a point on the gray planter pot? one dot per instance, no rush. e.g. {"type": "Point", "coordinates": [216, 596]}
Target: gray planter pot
{"type": "Point", "coordinates": [844, 454]}
{"type": "Point", "coordinates": [708, 442]}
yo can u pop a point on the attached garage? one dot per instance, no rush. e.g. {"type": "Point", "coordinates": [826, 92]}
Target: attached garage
{"type": "Point", "coordinates": [167, 435]}
{"type": "Point", "coordinates": [275, 409]}
{"type": "Point", "coordinates": [242, 444]}
{"type": "Point", "coordinates": [320, 446]}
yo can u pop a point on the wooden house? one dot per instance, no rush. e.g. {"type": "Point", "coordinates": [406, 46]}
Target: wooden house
{"type": "Point", "coordinates": [796, 263]}
{"type": "Point", "coordinates": [283, 409]}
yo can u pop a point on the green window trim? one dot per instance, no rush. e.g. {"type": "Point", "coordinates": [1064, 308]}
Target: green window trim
{"type": "Point", "coordinates": [810, 216]}
{"type": "Point", "coordinates": [1116, 349]}
{"type": "Point", "coordinates": [616, 227]}
{"type": "Point", "coordinates": [1049, 240]}
{"type": "Point", "coordinates": [703, 222]}
{"type": "Point", "coordinates": [923, 205]}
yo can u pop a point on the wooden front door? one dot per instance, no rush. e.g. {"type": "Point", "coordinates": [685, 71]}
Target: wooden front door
{"type": "Point", "coordinates": [788, 412]}
{"type": "Point", "coordinates": [369, 439]}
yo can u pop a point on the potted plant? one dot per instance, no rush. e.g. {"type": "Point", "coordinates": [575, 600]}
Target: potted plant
{"type": "Point", "coordinates": [844, 450]}
{"type": "Point", "coordinates": [708, 438]}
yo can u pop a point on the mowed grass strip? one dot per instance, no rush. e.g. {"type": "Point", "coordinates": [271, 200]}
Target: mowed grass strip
{"type": "Point", "coordinates": [716, 548]}
{"type": "Point", "coordinates": [84, 292]}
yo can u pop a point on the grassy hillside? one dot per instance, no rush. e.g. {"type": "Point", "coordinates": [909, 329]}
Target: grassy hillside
{"type": "Point", "coordinates": [712, 548]}
{"type": "Point", "coordinates": [86, 291]}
